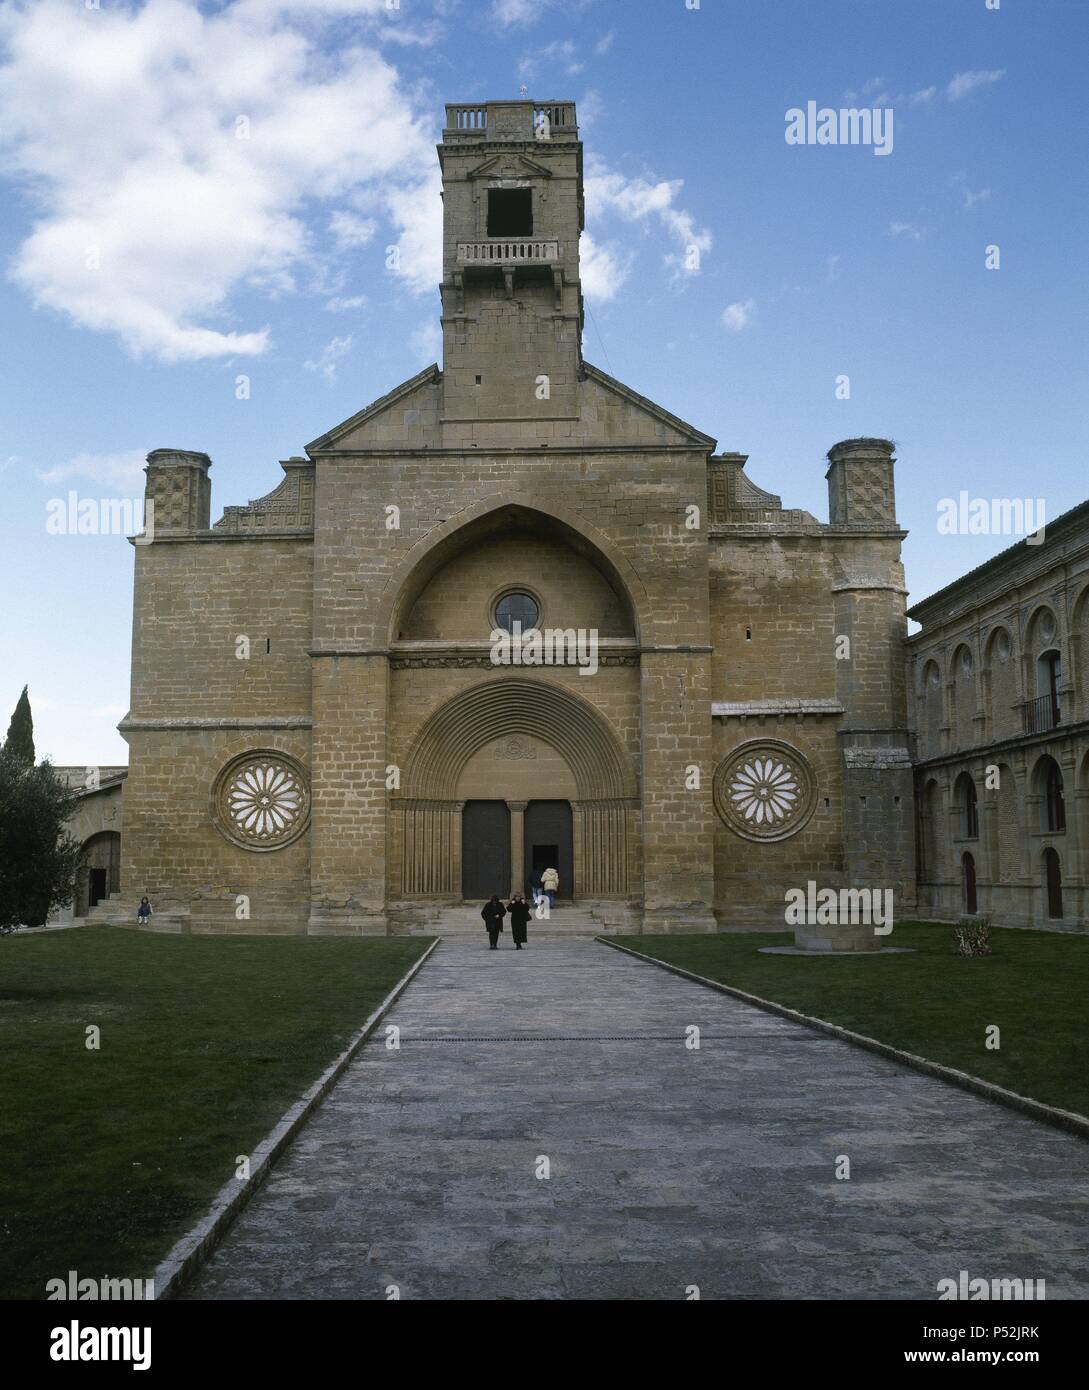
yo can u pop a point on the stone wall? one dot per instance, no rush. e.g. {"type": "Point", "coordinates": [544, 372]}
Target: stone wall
{"type": "Point", "coordinates": [977, 711]}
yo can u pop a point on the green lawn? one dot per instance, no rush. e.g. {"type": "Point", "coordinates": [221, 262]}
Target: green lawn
{"type": "Point", "coordinates": [1035, 987]}
{"type": "Point", "coordinates": [110, 1155]}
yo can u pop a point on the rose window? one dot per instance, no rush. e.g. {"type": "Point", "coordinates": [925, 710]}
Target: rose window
{"type": "Point", "coordinates": [764, 791]}
{"type": "Point", "coordinates": [261, 800]}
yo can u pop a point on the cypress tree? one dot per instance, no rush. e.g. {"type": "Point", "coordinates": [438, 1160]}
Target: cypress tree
{"type": "Point", "coordinates": [19, 743]}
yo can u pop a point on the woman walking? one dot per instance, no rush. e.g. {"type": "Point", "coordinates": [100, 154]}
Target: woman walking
{"type": "Point", "coordinates": [550, 882]}
{"type": "Point", "coordinates": [493, 913]}
{"type": "Point", "coordinates": [519, 916]}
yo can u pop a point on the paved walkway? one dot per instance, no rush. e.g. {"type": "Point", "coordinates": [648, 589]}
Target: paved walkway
{"type": "Point", "coordinates": [668, 1167]}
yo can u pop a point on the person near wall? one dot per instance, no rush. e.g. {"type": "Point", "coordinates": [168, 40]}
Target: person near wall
{"type": "Point", "coordinates": [550, 882]}
{"type": "Point", "coordinates": [519, 915]}
{"type": "Point", "coordinates": [493, 913]}
{"type": "Point", "coordinates": [143, 912]}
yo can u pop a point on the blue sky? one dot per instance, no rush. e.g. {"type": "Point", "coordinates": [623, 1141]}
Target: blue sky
{"type": "Point", "coordinates": [155, 248]}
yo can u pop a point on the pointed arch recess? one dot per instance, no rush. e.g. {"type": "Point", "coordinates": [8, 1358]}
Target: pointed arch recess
{"type": "Point", "coordinates": [442, 542]}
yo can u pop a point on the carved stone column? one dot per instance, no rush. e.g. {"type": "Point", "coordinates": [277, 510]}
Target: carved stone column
{"type": "Point", "coordinates": [517, 811]}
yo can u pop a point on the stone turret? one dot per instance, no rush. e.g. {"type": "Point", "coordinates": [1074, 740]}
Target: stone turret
{"type": "Point", "coordinates": [178, 494]}
{"type": "Point", "coordinates": [860, 483]}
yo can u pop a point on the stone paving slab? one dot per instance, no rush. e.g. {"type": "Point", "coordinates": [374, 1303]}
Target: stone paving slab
{"type": "Point", "coordinates": [668, 1167]}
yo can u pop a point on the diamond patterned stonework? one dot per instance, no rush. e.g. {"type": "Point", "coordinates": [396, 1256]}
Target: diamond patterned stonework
{"type": "Point", "coordinates": [261, 801]}
{"type": "Point", "coordinates": [764, 791]}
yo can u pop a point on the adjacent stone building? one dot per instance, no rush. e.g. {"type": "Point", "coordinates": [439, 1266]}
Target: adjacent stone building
{"type": "Point", "coordinates": [321, 738]}
{"type": "Point", "coordinates": [1000, 704]}
{"type": "Point", "coordinates": [97, 827]}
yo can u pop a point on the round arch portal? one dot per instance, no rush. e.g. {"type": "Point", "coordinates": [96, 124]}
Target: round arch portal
{"type": "Point", "coordinates": [605, 808]}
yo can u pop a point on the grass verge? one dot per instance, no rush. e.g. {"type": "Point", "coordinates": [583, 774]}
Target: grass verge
{"type": "Point", "coordinates": [205, 1041]}
{"type": "Point", "coordinates": [933, 1002]}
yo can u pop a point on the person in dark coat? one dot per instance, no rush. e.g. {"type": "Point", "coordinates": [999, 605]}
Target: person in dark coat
{"type": "Point", "coordinates": [519, 916]}
{"type": "Point", "coordinates": [493, 913]}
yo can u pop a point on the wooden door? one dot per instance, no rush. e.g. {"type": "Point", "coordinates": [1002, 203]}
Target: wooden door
{"type": "Point", "coordinates": [485, 850]}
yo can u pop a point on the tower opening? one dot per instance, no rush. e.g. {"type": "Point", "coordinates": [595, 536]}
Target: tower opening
{"type": "Point", "coordinates": [510, 212]}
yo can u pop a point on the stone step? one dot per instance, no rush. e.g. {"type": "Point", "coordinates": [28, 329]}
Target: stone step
{"type": "Point", "coordinates": [466, 921]}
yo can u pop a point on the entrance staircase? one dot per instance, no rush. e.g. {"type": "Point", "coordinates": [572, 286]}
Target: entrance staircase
{"type": "Point", "coordinates": [110, 910]}
{"type": "Point", "coordinates": [114, 912]}
{"type": "Point", "coordinates": [592, 919]}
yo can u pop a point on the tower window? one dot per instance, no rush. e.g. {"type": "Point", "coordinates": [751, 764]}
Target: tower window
{"type": "Point", "coordinates": [510, 212]}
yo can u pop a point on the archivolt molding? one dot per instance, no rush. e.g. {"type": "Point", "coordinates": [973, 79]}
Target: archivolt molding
{"type": "Point", "coordinates": [515, 705]}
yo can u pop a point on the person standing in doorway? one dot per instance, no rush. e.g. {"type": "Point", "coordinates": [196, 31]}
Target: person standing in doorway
{"type": "Point", "coordinates": [550, 882]}
{"type": "Point", "coordinates": [493, 913]}
{"type": "Point", "coordinates": [519, 916]}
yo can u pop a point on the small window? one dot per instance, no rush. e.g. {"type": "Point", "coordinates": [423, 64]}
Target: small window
{"type": "Point", "coordinates": [969, 810]}
{"type": "Point", "coordinates": [516, 608]}
{"type": "Point", "coordinates": [510, 212]}
{"type": "Point", "coordinates": [1054, 804]}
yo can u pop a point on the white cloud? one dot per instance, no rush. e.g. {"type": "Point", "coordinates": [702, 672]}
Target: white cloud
{"type": "Point", "coordinates": [739, 316]}
{"type": "Point", "coordinates": [417, 213]}
{"type": "Point", "coordinates": [515, 12]}
{"type": "Point", "coordinates": [970, 199]}
{"type": "Point", "coordinates": [342, 304]}
{"type": "Point", "coordinates": [603, 269]}
{"type": "Point", "coordinates": [874, 91]}
{"type": "Point", "coordinates": [123, 124]}
{"type": "Point", "coordinates": [426, 341]}
{"type": "Point", "coordinates": [644, 202]}
{"type": "Point", "coordinates": [124, 471]}
{"type": "Point", "coordinates": [559, 53]}
{"type": "Point", "coordinates": [350, 231]}
{"type": "Point", "coordinates": [604, 43]}
{"type": "Point", "coordinates": [907, 229]}
{"type": "Point", "coordinates": [590, 108]}
{"type": "Point", "coordinates": [965, 82]}
{"type": "Point", "coordinates": [329, 359]}
{"type": "Point", "coordinates": [924, 95]}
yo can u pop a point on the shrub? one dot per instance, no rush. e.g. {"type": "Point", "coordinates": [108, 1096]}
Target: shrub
{"type": "Point", "coordinates": [974, 936]}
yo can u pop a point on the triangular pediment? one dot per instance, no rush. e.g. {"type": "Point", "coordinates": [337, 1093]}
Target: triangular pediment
{"type": "Point", "coordinates": [509, 166]}
{"type": "Point", "coordinates": [641, 406]}
{"type": "Point", "coordinates": [411, 399]}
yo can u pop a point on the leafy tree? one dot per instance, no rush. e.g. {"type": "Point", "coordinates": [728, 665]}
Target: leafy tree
{"type": "Point", "coordinates": [20, 740]}
{"type": "Point", "coordinates": [38, 858]}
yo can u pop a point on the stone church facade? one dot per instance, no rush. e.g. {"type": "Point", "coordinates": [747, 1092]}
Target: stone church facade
{"type": "Point", "coordinates": [321, 739]}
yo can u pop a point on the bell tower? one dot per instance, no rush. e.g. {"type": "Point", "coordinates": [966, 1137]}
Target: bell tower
{"type": "Point", "coordinates": [511, 298]}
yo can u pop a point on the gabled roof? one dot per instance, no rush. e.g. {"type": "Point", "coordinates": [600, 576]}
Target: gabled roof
{"type": "Point", "coordinates": [432, 376]}
{"type": "Point", "coordinates": [610, 383]}
{"type": "Point", "coordinates": [428, 377]}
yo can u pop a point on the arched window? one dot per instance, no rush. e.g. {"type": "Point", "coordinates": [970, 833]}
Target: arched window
{"type": "Point", "coordinates": [1049, 684]}
{"type": "Point", "coordinates": [968, 870]}
{"type": "Point", "coordinates": [969, 808]}
{"type": "Point", "coordinates": [1053, 884]}
{"type": "Point", "coordinates": [1054, 806]}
